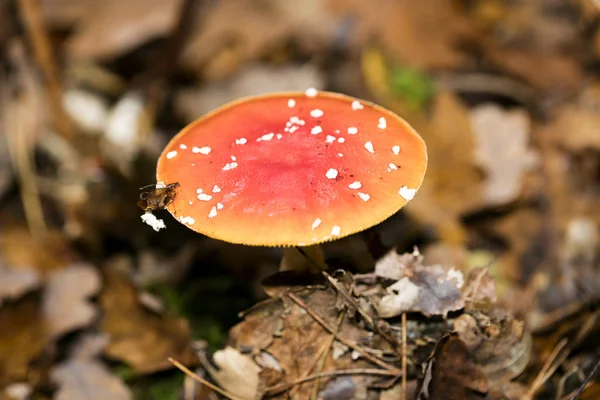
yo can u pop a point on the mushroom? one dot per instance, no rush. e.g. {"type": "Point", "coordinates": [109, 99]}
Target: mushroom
{"type": "Point", "coordinates": [292, 169]}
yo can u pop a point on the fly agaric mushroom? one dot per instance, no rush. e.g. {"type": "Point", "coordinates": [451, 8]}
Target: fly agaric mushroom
{"type": "Point", "coordinates": [292, 169]}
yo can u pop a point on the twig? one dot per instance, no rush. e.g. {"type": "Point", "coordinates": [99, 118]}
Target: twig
{"type": "Point", "coordinates": [42, 48]}
{"type": "Point", "coordinates": [274, 390]}
{"type": "Point", "coordinates": [323, 356]}
{"type": "Point", "coordinates": [586, 380]}
{"type": "Point", "coordinates": [353, 346]}
{"type": "Point", "coordinates": [404, 357]}
{"type": "Point", "coordinates": [202, 381]}
{"type": "Point", "coordinates": [550, 365]}
{"type": "Point", "coordinates": [23, 121]}
{"type": "Point", "coordinates": [356, 306]}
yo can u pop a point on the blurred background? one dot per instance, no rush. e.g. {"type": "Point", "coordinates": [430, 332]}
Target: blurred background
{"type": "Point", "coordinates": [505, 93]}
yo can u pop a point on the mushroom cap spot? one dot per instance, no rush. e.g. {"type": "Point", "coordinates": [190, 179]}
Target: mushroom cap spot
{"type": "Point", "coordinates": [355, 185]}
{"type": "Point", "coordinates": [316, 130]}
{"type": "Point", "coordinates": [316, 223]}
{"type": "Point", "coordinates": [396, 149]}
{"type": "Point", "coordinates": [202, 150]}
{"type": "Point", "coordinates": [275, 190]}
{"type": "Point", "coordinates": [382, 123]}
{"type": "Point", "coordinates": [356, 105]}
{"type": "Point", "coordinates": [364, 196]}
{"type": "Point", "coordinates": [182, 146]}
{"type": "Point", "coordinates": [352, 130]}
{"type": "Point", "coordinates": [291, 103]}
{"type": "Point", "coordinates": [331, 173]}
{"type": "Point", "coordinates": [316, 113]}
{"type": "Point", "coordinates": [311, 92]}
{"type": "Point", "coordinates": [341, 140]}
{"type": "Point", "coordinates": [171, 154]}
{"type": "Point", "coordinates": [369, 147]}
{"type": "Point", "coordinates": [407, 193]}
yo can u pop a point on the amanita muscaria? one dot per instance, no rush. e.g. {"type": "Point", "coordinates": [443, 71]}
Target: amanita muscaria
{"type": "Point", "coordinates": [292, 169]}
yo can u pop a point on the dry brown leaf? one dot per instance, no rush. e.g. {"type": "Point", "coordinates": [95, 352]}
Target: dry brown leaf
{"type": "Point", "coordinates": [15, 283]}
{"type": "Point", "coordinates": [109, 28]}
{"type": "Point", "coordinates": [400, 26]}
{"type": "Point", "coordinates": [236, 373]}
{"type": "Point", "coordinates": [23, 337]}
{"type": "Point", "coordinates": [139, 337]}
{"type": "Point", "coordinates": [89, 379]}
{"type": "Point", "coordinates": [576, 124]}
{"type": "Point", "coordinates": [66, 305]}
{"type": "Point", "coordinates": [451, 374]}
{"type": "Point", "coordinates": [502, 150]}
{"type": "Point", "coordinates": [19, 250]}
{"type": "Point", "coordinates": [453, 184]}
{"type": "Point", "coordinates": [83, 376]}
{"type": "Point", "coordinates": [238, 31]}
{"type": "Point", "coordinates": [65, 13]}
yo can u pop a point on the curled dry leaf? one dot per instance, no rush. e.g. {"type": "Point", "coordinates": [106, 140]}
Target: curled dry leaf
{"type": "Point", "coordinates": [66, 303]}
{"type": "Point", "coordinates": [236, 373]}
{"type": "Point", "coordinates": [502, 150]}
{"type": "Point", "coordinates": [498, 342]}
{"type": "Point", "coordinates": [138, 336]}
{"type": "Point", "coordinates": [451, 374]}
{"type": "Point", "coordinates": [431, 290]}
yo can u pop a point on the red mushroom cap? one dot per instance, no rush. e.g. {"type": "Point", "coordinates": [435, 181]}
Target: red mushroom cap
{"type": "Point", "coordinates": [292, 169]}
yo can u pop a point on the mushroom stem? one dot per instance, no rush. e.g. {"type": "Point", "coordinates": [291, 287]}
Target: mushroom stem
{"type": "Point", "coordinates": [305, 258]}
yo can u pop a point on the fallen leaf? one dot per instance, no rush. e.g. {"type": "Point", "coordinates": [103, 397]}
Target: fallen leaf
{"type": "Point", "coordinates": [89, 379]}
{"type": "Point", "coordinates": [66, 305]}
{"type": "Point", "coordinates": [502, 151]}
{"type": "Point", "coordinates": [15, 283]}
{"type": "Point", "coordinates": [84, 376]}
{"type": "Point", "coordinates": [399, 26]}
{"type": "Point", "coordinates": [23, 337]}
{"type": "Point", "coordinates": [109, 28]}
{"type": "Point", "coordinates": [138, 336]}
{"type": "Point", "coordinates": [236, 373]}
{"type": "Point", "coordinates": [237, 32]}
{"type": "Point", "coordinates": [431, 290]}
{"type": "Point", "coordinates": [451, 374]}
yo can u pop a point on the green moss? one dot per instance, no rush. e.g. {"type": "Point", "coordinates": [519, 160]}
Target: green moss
{"type": "Point", "coordinates": [413, 86]}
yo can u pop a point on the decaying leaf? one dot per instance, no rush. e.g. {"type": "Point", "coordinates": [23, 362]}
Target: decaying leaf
{"type": "Point", "coordinates": [66, 303]}
{"type": "Point", "coordinates": [502, 150]}
{"type": "Point", "coordinates": [108, 28]}
{"type": "Point", "coordinates": [399, 27]}
{"type": "Point", "coordinates": [139, 337]}
{"type": "Point", "coordinates": [23, 337]}
{"type": "Point", "coordinates": [236, 373]}
{"type": "Point", "coordinates": [498, 342]}
{"type": "Point", "coordinates": [451, 374]}
{"type": "Point", "coordinates": [238, 31]}
{"type": "Point", "coordinates": [83, 376]}
{"type": "Point", "coordinates": [432, 290]}
{"type": "Point", "coordinates": [15, 283]}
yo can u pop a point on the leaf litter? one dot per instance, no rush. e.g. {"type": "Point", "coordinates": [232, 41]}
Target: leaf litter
{"type": "Point", "coordinates": [502, 305]}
